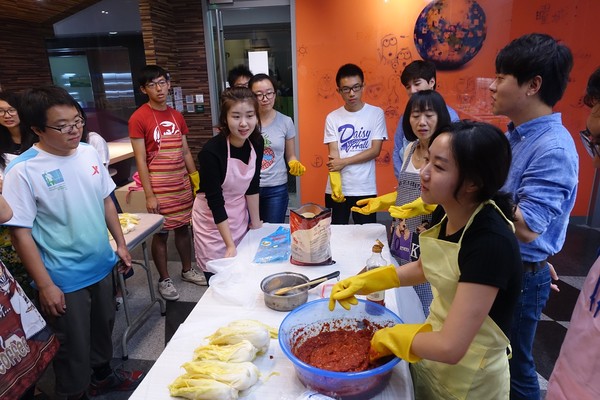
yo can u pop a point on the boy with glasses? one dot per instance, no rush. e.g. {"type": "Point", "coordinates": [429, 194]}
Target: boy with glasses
{"type": "Point", "coordinates": [165, 167]}
{"type": "Point", "coordinates": [60, 196]}
{"type": "Point", "coordinates": [354, 134]}
{"type": "Point", "coordinates": [532, 73]}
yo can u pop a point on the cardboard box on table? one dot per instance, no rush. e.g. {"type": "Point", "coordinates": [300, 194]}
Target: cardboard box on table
{"type": "Point", "coordinates": [131, 201]}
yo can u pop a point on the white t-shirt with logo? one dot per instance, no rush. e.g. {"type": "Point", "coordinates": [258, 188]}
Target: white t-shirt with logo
{"type": "Point", "coordinates": [354, 133]}
{"type": "Point", "coordinates": [61, 199]}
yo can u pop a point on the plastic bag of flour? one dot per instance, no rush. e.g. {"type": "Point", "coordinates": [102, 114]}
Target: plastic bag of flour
{"type": "Point", "coordinates": [310, 227]}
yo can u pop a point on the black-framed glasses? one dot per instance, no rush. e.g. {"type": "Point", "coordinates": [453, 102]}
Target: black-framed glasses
{"type": "Point", "coordinates": [9, 111]}
{"type": "Point", "coordinates": [261, 96]}
{"type": "Point", "coordinates": [66, 129]}
{"type": "Point", "coordinates": [593, 149]}
{"type": "Point", "coordinates": [356, 88]}
{"type": "Point", "coordinates": [153, 85]}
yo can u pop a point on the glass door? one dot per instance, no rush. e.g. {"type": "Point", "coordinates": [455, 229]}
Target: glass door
{"type": "Point", "coordinates": [237, 29]}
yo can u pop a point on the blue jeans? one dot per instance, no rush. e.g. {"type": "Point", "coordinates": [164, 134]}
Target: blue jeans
{"type": "Point", "coordinates": [533, 298]}
{"type": "Point", "coordinates": [273, 203]}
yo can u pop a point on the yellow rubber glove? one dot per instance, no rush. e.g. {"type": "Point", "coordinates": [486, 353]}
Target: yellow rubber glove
{"type": "Point", "coordinates": [368, 282]}
{"type": "Point", "coordinates": [412, 209]}
{"type": "Point", "coordinates": [396, 340]}
{"type": "Point", "coordinates": [335, 180]}
{"type": "Point", "coordinates": [296, 168]}
{"type": "Point", "coordinates": [195, 181]}
{"type": "Point", "coordinates": [374, 204]}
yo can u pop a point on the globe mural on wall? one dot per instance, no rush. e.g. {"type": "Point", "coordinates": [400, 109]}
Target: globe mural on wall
{"type": "Point", "coordinates": [450, 32]}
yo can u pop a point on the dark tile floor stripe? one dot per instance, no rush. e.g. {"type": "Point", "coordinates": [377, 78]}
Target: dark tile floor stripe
{"type": "Point", "coordinates": [546, 347]}
{"type": "Point", "coordinates": [560, 305]}
{"type": "Point", "coordinates": [579, 251]}
{"type": "Point", "coordinates": [177, 312]}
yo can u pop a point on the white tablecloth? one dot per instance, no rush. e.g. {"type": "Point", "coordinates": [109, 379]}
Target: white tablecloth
{"type": "Point", "coordinates": [350, 245]}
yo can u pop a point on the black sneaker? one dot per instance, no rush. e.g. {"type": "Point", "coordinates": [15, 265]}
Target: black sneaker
{"type": "Point", "coordinates": [118, 381]}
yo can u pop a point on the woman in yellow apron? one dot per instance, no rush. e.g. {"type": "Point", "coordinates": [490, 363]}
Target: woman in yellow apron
{"type": "Point", "coordinates": [472, 260]}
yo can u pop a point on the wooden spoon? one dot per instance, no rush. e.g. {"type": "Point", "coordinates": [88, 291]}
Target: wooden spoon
{"type": "Point", "coordinates": [312, 283]}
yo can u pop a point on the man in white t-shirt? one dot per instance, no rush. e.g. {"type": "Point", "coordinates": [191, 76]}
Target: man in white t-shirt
{"type": "Point", "coordinates": [354, 134]}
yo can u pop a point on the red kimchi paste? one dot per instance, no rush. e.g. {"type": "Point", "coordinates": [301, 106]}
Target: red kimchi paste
{"type": "Point", "coordinates": [338, 350]}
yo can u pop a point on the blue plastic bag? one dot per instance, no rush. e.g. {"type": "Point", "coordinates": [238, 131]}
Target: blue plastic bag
{"type": "Point", "coordinates": [275, 247]}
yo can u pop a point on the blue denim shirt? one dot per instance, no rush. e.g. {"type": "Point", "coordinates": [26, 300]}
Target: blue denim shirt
{"type": "Point", "coordinates": [543, 180]}
{"type": "Point", "coordinates": [400, 142]}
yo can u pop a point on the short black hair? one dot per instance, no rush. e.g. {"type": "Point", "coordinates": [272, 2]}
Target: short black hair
{"type": "Point", "coordinates": [37, 101]}
{"type": "Point", "coordinates": [236, 72]}
{"type": "Point", "coordinates": [538, 54]}
{"type": "Point", "coordinates": [150, 73]}
{"type": "Point", "coordinates": [422, 101]}
{"type": "Point", "coordinates": [348, 70]}
{"type": "Point", "coordinates": [418, 69]}
{"type": "Point", "coordinates": [592, 91]}
{"type": "Point", "coordinates": [262, 77]}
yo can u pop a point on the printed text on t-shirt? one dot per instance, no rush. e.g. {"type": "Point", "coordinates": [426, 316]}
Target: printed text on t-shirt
{"type": "Point", "coordinates": [352, 140]}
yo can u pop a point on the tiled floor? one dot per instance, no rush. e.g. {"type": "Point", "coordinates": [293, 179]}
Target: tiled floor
{"type": "Point", "coordinates": [146, 345]}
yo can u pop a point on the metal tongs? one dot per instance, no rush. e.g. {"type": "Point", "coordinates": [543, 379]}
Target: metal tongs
{"type": "Point", "coordinates": [311, 284]}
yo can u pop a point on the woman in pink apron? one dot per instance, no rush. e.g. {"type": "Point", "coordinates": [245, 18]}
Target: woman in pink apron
{"type": "Point", "coordinates": [227, 204]}
{"type": "Point", "coordinates": [576, 374]}
{"type": "Point", "coordinates": [472, 260]}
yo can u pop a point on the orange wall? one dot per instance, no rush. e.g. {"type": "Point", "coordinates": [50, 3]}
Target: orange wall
{"type": "Point", "coordinates": [576, 23]}
{"type": "Point", "coordinates": [334, 32]}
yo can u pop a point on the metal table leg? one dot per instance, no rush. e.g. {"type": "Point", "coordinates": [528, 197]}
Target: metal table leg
{"type": "Point", "coordinates": [133, 326]}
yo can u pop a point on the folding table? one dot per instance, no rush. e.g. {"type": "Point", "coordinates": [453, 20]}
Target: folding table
{"type": "Point", "coordinates": [148, 225]}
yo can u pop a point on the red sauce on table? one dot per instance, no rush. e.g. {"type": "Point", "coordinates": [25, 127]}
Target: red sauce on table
{"type": "Point", "coordinates": [338, 350]}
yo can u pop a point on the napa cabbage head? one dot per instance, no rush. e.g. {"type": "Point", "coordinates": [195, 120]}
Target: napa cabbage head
{"type": "Point", "coordinates": [238, 352]}
{"type": "Point", "coordinates": [255, 332]}
{"type": "Point", "coordinates": [201, 389]}
{"type": "Point", "coordinates": [240, 376]}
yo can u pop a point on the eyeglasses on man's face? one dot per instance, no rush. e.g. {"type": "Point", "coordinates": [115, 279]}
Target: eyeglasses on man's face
{"type": "Point", "coordinates": [9, 111]}
{"type": "Point", "coordinates": [356, 88]}
{"type": "Point", "coordinates": [68, 128]}
{"type": "Point", "coordinates": [153, 85]}
{"type": "Point", "coordinates": [261, 96]}
{"type": "Point", "coordinates": [593, 149]}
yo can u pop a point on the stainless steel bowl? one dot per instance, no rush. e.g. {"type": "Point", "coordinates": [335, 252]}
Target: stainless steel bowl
{"type": "Point", "coordinates": [288, 301]}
